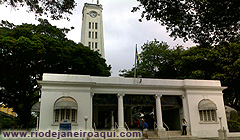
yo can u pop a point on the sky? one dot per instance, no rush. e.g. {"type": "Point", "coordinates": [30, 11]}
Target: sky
{"type": "Point", "coordinates": [122, 30]}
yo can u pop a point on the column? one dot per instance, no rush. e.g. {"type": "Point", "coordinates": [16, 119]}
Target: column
{"type": "Point", "coordinates": [120, 112]}
{"type": "Point", "coordinates": [185, 112]}
{"type": "Point", "coordinates": [159, 113]}
{"type": "Point", "coordinates": [91, 109]}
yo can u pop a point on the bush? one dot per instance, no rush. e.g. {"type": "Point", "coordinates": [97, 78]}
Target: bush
{"type": "Point", "coordinates": [233, 126]}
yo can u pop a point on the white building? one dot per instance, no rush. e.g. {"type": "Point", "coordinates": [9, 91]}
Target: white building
{"type": "Point", "coordinates": [92, 27]}
{"type": "Point", "coordinates": [67, 99]}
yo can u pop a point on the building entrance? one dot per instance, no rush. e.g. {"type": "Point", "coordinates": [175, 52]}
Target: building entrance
{"type": "Point", "coordinates": [105, 111]}
{"type": "Point", "coordinates": [172, 111]}
{"type": "Point", "coordinates": [136, 106]}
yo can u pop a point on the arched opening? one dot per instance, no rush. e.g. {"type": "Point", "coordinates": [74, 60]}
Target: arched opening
{"type": "Point", "coordinates": [65, 110]}
{"type": "Point", "coordinates": [207, 111]}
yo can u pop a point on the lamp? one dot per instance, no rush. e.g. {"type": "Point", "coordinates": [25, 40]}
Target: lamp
{"type": "Point", "coordinates": [86, 118]}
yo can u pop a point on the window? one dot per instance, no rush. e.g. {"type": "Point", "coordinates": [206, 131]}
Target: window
{"type": "Point", "coordinates": [95, 34]}
{"type": "Point", "coordinates": [73, 115]}
{"type": "Point", "coordinates": [89, 25]}
{"type": "Point", "coordinates": [68, 115]}
{"type": "Point", "coordinates": [207, 111]}
{"type": "Point", "coordinates": [207, 115]}
{"type": "Point", "coordinates": [92, 45]}
{"type": "Point", "coordinates": [65, 110]}
{"type": "Point", "coordinates": [89, 44]}
{"type": "Point", "coordinates": [57, 115]}
{"type": "Point", "coordinates": [93, 25]}
{"type": "Point", "coordinates": [95, 45]}
{"type": "Point", "coordinates": [89, 34]}
{"type": "Point", "coordinates": [96, 25]}
{"type": "Point", "coordinates": [62, 114]}
{"type": "Point", "coordinates": [92, 34]}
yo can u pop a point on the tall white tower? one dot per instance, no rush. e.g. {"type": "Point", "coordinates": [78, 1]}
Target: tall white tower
{"type": "Point", "coordinates": [92, 27]}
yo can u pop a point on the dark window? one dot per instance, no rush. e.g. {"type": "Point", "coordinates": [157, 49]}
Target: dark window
{"type": "Point", "coordinates": [89, 44]}
{"type": "Point", "coordinates": [96, 25]}
{"type": "Point", "coordinates": [89, 25]}
{"type": "Point", "coordinates": [93, 25]}
{"type": "Point", "coordinates": [95, 45]}
{"type": "Point", "coordinates": [95, 34]}
{"type": "Point", "coordinates": [89, 34]}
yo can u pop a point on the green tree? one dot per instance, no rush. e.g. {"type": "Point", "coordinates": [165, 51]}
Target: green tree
{"type": "Point", "coordinates": [219, 62]}
{"type": "Point", "coordinates": [203, 21]}
{"type": "Point", "coordinates": [27, 51]}
{"type": "Point", "coordinates": [158, 60]}
{"type": "Point", "coordinates": [56, 9]}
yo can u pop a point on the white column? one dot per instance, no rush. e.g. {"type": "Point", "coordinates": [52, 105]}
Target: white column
{"type": "Point", "coordinates": [185, 111]}
{"type": "Point", "coordinates": [159, 113]}
{"type": "Point", "coordinates": [120, 112]}
{"type": "Point", "coordinates": [91, 109]}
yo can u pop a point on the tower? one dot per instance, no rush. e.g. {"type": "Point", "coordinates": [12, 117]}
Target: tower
{"type": "Point", "coordinates": [92, 27]}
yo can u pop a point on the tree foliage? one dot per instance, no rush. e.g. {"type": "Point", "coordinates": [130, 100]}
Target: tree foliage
{"type": "Point", "coordinates": [56, 9]}
{"type": "Point", "coordinates": [203, 21]}
{"type": "Point", "coordinates": [220, 62]}
{"type": "Point", "coordinates": [27, 51]}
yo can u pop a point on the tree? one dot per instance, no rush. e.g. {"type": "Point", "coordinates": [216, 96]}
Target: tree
{"type": "Point", "coordinates": [219, 62]}
{"type": "Point", "coordinates": [203, 21]}
{"type": "Point", "coordinates": [27, 51]}
{"type": "Point", "coordinates": [57, 9]}
{"type": "Point", "coordinates": [157, 60]}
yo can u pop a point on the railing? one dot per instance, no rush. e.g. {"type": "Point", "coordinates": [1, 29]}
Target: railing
{"type": "Point", "coordinates": [126, 125]}
{"type": "Point", "coordinates": [116, 125]}
{"type": "Point", "coordinates": [94, 126]}
{"type": "Point", "coordinates": [168, 133]}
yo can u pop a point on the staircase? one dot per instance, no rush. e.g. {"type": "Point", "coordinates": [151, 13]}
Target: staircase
{"type": "Point", "coordinates": [173, 135]}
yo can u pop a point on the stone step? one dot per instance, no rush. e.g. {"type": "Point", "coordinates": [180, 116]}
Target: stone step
{"type": "Point", "coordinates": [169, 135]}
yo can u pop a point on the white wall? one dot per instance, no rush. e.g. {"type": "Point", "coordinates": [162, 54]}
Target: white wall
{"type": "Point", "coordinates": [49, 96]}
{"type": "Point", "coordinates": [205, 129]}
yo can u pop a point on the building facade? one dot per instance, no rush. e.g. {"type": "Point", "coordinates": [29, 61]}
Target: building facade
{"type": "Point", "coordinates": [79, 102]}
{"type": "Point", "coordinates": [92, 27]}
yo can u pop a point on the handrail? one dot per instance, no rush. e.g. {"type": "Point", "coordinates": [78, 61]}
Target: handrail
{"type": "Point", "coordinates": [167, 129]}
{"type": "Point", "coordinates": [155, 124]}
{"type": "Point", "coordinates": [126, 125]}
{"type": "Point", "coordinates": [166, 126]}
{"type": "Point", "coordinates": [116, 125]}
{"type": "Point", "coordinates": [94, 126]}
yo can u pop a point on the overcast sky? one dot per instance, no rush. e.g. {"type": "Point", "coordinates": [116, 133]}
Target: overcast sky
{"type": "Point", "coordinates": [122, 30]}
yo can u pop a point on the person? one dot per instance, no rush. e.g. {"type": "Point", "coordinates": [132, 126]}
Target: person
{"type": "Point", "coordinates": [145, 130]}
{"type": "Point", "coordinates": [184, 127]}
{"type": "Point", "coordinates": [139, 123]}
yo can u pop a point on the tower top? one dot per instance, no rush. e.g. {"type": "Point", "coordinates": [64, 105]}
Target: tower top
{"type": "Point", "coordinates": [97, 1]}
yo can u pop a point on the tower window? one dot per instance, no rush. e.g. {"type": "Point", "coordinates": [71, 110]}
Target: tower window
{"type": "Point", "coordinates": [95, 45]}
{"type": "Point", "coordinates": [92, 45]}
{"type": "Point", "coordinates": [89, 34]}
{"type": "Point", "coordinates": [93, 25]}
{"type": "Point", "coordinates": [89, 44]}
{"type": "Point", "coordinates": [96, 25]}
{"type": "Point", "coordinates": [95, 34]}
{"type": "Point", "coordinates": [92, 34]}
{"type": "Point", "coordinates": [89, 25]}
